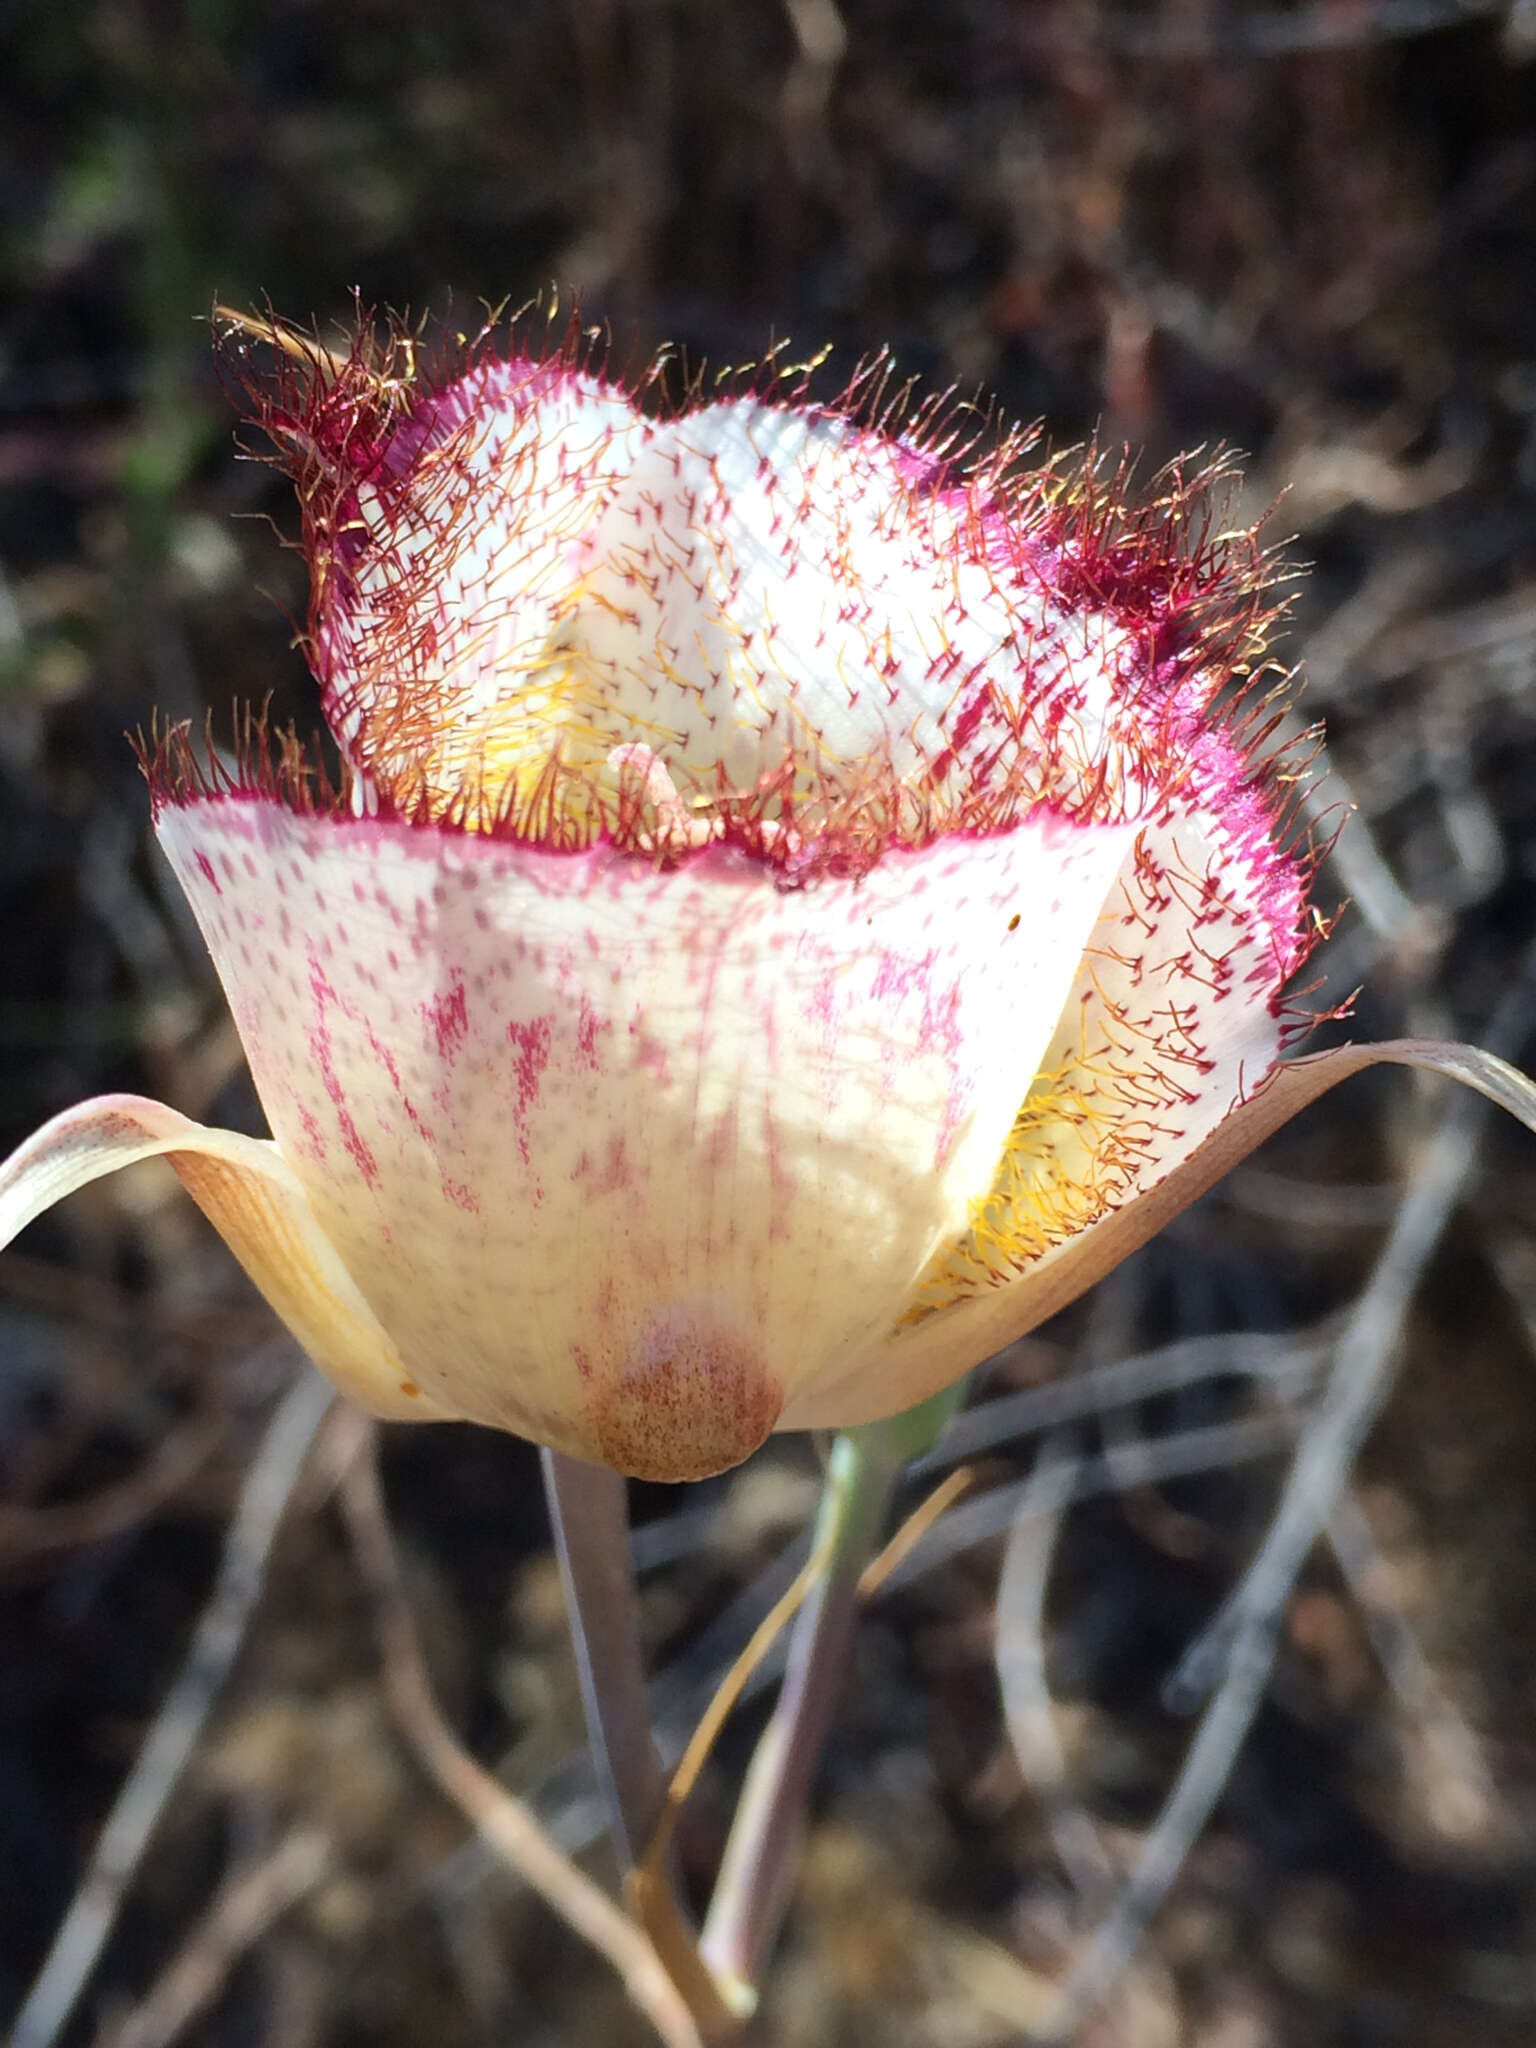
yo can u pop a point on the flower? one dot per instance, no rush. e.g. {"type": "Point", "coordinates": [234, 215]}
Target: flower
{"type": "Point", "coordinates": [798, 905]}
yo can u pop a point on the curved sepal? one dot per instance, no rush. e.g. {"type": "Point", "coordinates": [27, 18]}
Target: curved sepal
{"type": "Point", "coordinates": [252, 1199]}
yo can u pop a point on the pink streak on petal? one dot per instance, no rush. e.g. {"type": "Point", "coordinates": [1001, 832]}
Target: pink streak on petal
{"type": "Point", "coordinates": [325, 998]}
{"type": "Point", "coordinates": [530, 1041]}
{"type": "Point", "coordinates": [450, 1026]}
{"type": "Point", "coordinates": [590, 1030]}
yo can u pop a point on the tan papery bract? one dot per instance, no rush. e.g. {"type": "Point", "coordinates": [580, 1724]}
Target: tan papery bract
{"type": "Point", "coordinates": [250, 1196]}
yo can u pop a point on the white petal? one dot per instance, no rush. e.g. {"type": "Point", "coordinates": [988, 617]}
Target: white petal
{"type": "Point", "coordinates": [763, 580]}
{"type": "Point", "coordinates": [622, 1157]}
{"type": "Point", "coordinates": [1173, 1020]}
{"type": "Point", "coordinates": [537, 572]}
{"type": "Point", "coordinates": [1174, 1016]}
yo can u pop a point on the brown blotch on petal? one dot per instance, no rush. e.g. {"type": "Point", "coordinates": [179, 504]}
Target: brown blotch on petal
{"type": "Point", "coordinates": [693, 1398]}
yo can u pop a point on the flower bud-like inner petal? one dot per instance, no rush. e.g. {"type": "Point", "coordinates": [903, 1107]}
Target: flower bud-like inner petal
{"type": "Point", "coordinates": [789, 611]}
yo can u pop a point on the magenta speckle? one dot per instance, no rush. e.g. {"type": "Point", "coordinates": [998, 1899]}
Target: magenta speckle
{"type": "Point", "coordinates": [314, 1137]}
{"type": "Point", "coordinates": [448, 1018]}
{"type": "Point", "coordinates": [205, 866]}
{"type": "Point", "coordinates": [719, 1147]}
{"type": "Point", "coordinates": [650, 1053]}
{"type": "Point", "coordinates": [589, 1028]}
{"type": "Point", "coordinates": [618, 1175]}
{"type": "Point", "coordinates": [899, 976]}
{"type": "Point", "coordinates": [386, 1060]}
{"type": "Point", "coordinates": [904, 979]}
{"type": "Point", "coordinates": [941, 1023]}
{"type": "Point", "coordinates": [320, 1045]}
{"type": "Point", "coordinates": [530, 1045]}
{"type": "Point", "coordinates": [781, 1182]}
{"type": "Point", "coordinates": [823, 1003]}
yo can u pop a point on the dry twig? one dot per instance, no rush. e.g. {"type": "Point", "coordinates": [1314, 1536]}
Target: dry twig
{"type": "Point", "coordinates": [1020, 1659]}
{"type": "Point", "coordinates": [502, 1821]}
{"type": "Point", "coordinates": [1240, 1645]}
{"type": "Point", "coordinates": [1287, 1363]}
{"type": "Point", "coordinates": [28, 1532]}
{"type": "Point", "coordinates": [177, 1727]}
{"type": "Point", "coordinates": [1465, 1796]}
{"type": "Point", "coordinates": [245, 1906]}
{"type": "Point", "coordinates": [1211, 1448]}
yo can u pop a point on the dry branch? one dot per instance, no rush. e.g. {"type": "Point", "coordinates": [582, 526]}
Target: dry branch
{"type": "Point", "coordinates": [179, 1724]}
{"type": "Point", "coordinates": [502, 1821]}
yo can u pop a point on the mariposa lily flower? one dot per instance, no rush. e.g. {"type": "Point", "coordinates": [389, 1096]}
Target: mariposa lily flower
{"type": "Point", "coordinates": [796, 910]}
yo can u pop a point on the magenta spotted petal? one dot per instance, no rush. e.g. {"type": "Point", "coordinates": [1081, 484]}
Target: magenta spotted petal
{"type": "Point", "coordinates": [792, 918]}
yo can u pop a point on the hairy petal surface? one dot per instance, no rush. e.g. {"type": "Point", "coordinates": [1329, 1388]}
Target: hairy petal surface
{"type": "Point", "coordinates": [246, 1190]}
{"type": "Point", "coordinates": [914, 1362]}
{"type": "Point", "coordinates": [769, 582]}
{"type": "Point", "coordinates": [1174, 1017]}
{"type": "Point", "coordinates": [526, 573]}
{"type": "Point", "coordinates": [446, 580]}
{"type": "Point", "coordinates": [622, 1155]}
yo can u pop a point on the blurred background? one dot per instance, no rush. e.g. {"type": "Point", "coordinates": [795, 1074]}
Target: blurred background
{"type": "Point", "coordinates": [1304, 230]}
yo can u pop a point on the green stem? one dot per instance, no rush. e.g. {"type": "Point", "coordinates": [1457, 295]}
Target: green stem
{"type": "Point", "coordinates": [756, 1873]}
{"type": "Point", "coordinates": [589, 1508]}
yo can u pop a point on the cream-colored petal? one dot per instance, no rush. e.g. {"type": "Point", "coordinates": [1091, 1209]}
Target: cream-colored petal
{"type": "Point", "coordinates": [623, 1156]}
{"type": "Point", "coordinates": [246, 1191]}
{"type": "Point", "coordinates": [916, 1361]}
